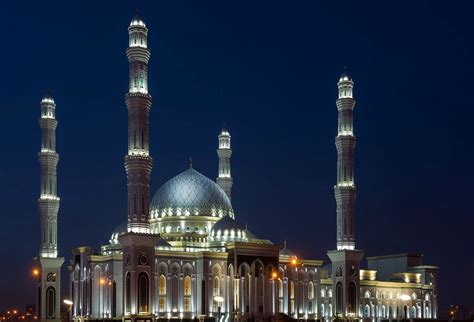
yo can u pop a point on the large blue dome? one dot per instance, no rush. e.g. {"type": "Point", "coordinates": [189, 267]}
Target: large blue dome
{"type": "Point", "coordinates": [190, 194]}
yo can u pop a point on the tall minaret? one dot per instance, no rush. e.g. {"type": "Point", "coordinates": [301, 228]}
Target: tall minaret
{"type": "Point", "coordinates": [138, 162]}
{"type": "Point", "coordinates": [346, 259]}
{"type": "Point", "coordinates": [48, 203]}
{"type": "Point", "coordinates": [224, 179]}
{"type": "Point", "coordinates": [345, 190]}
{"type": "Point", "coordinates": [138, 244]}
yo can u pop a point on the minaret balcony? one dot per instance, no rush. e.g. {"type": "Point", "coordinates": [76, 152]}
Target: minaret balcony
{"type": "Point", "coordinates": [138, 54]}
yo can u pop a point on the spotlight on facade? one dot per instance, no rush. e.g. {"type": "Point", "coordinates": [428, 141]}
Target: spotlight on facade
{"type": "Point", "coordinates": [68, 302]}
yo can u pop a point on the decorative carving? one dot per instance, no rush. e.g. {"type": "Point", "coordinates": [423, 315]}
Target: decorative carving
{"type": "Point", "coordinates": [143, 260]}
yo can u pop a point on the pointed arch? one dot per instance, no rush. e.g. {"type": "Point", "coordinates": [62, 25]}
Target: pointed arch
{"type": "Point", "coordinates": [128, 298]}
{"type": "Point", "coordinates": [366, 311]}
{"type": "Point", "coordinates": [352, 298]}
{"type": "Point", "coordinates": [292, 297]}
{"type": "Point", "coordinates": [187, 293]}
{"type": "Point", "coordinates": [339, 297]}
{"type": "Point", "coordinates": [162, 293]}
{"type": "Point", "coordinates": [51, 302]}
{"type": "Point", "coordinates": [143, 293]}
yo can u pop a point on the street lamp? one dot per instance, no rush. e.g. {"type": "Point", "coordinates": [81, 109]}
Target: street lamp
{"type": "Point", "coordinates": [69, 304]}
{"type": "Point", "coordinates": [219, 300]}
{"type": "Point", "coordinates": [405, 298]}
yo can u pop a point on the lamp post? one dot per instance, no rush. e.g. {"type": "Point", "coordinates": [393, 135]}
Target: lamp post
{"type": "Point", "coordinates": [405, 298]}
{"type": "Point", "coordinates": [219, 300]}
{"type": "Point", "coordinates": [69, 304]}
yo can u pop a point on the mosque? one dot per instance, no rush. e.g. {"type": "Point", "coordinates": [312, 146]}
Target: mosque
{"type": "Point", "coordinates": [184, 255]}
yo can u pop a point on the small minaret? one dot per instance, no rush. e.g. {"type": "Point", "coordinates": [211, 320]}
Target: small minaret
{"type": "Point", "coordinates": [138, 162]}
{"type": "Point", "coordinates": [224, 179]}
{"type": "Point", "coordinates": [48, 203]}
{"type": "Point", "coordinates": [48, 159]}
{"type": "Point", "coordinates": [345, 190]}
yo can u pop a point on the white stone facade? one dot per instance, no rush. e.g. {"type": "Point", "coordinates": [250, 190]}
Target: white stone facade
{"type": "Point", "coordinates": [183, 254]}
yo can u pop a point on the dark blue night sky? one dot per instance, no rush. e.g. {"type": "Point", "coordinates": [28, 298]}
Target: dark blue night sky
{"type": "Point", "coordinates": [269, 70]}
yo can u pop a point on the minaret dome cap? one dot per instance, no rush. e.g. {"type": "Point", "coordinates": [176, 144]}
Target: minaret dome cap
{"type": "Point", "coordinates": [345, 76]}
{"type": "Point", "coordinates": [137, 21]}
{"type": "Point", "coordinates": [47, 97]}
{"type": "Point", "coordinates": [224, 131]}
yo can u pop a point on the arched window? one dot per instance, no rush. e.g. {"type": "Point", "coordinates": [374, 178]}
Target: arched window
{"type": "Point", "coordinates": [310, 290]}
{"type": "Point", "coordinates": [162, 293]}
{"type": "Point", "coordinates": [174, 293]}
{"type": "Point", "coordinates": [427, 312]}
{"type": "Point", "coordinates": [216, 291]}
{"type": "Point", "coordinates": [329, 312]}
{"type": "Point", "coordinates": [427, 297]}
{"type": "Point", "coordinates": [352, 298]}
{"type": "Point", "coordinates": [114, 299]}
{"type": "Point", "coordinates": [280, 288]}
{"type": "Point", "coordinates": [413, 296]}
{"type": "Point", "coordinates": [280, 295]}
{"type": "Point", "coordinates": [366, 311]}
{"type": "Point", "coordinates": [292, 297]}
{"type": "Point", "coordinates": [339, 297]}
{"type": "Point", "coordinates": [162, 285]}
{"type": "Point", "coordinates": [413, 312]}
{"type": "Point", "coordinates": [51, 303]}
{"type": "Point", "coordinates": [367, 294]}
{"type": "Point", "coordinates": [216, 286]}
{"type": "Point", "coordinates": [187, 294]}
{"type": "Point", "coordinates": [127, 293]}
{"type": "Point", "coordinates": [323, 292]}
{"type": "Point", "coordinates": [330, 293]}
{"type": "Point", "coordinates": [143, 289]}
{"type": "Point", "coordinates": [322, 312]}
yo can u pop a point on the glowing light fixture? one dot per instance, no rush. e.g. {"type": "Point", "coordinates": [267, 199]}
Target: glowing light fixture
{"type": "Point", "coordinates": [68, 302]}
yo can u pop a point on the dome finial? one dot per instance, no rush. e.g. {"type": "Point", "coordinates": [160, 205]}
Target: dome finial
{"type": "Point", "coordinates": [190, 162]}
{"type": "Point", "coordinates": [48, 93]}
{"type": "Point", "coordinates": [345, 75]}
{"type": "Point", "coordinates": [284, 243]}
{"type": "Point", "coordinates": [137, 19]}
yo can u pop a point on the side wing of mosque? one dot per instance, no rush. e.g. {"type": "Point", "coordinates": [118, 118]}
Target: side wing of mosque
{"type": "Point", "coordinates": [184, 255]}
